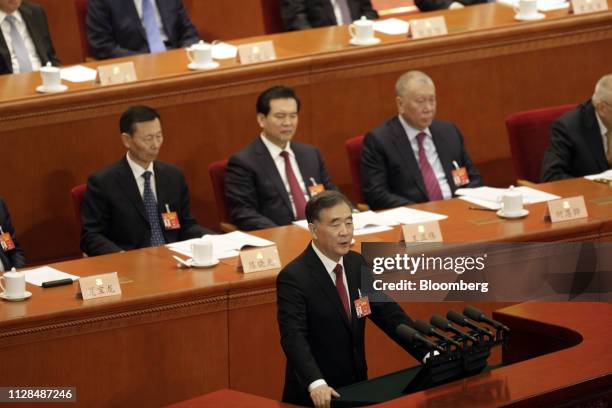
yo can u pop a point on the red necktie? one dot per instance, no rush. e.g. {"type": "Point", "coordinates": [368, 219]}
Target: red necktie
{"type": "Point", "coordinates": [342, 290]}
{"type": "Point", "coordinates": [296, 192]}
{"type": "Point", "coordinates": [429, 177]}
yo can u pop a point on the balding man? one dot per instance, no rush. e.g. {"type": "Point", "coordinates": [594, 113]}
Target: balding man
{"type": "Point", "coordinates": [413, 157]}
{"type": "Point", "coordinates": [581, 139]}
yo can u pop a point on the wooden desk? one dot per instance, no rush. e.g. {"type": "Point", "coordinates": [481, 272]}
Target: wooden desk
{"type": "Point", "coordinates": [487, 67]}
{"type": "Point", "coordinates": [174, 334]}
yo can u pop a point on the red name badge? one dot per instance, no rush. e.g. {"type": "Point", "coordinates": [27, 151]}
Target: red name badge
{"type": "Point", "coordinates": [460, 177]}
{"type": "Point", "coordinates": [316, 189]}
{"type": "Point", "coordinates": [6, 242]}
{"type": "Point", "coordinates": [362, 307]}
{"type": "Point", "coordinates": [171, 221]}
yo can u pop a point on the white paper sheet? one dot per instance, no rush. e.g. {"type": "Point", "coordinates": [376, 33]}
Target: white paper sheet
{"type": "Point", "coordinates": [403, 215]}
{"type": "Point", "coordinates": [224, 51]}
{"type": "Point", "coordinates": [606, 175]}
{"type": "Point", "coordinates": [367, 222]}
{"type": "Point", "coordinates": [224, 245]}
{"type": "Point", "coordinates": [78, 73]}
{"type": "Point", "coordinates": [490, 197]}
{"type": "Point", "coordinates": [38, 276]}
{"type": "Point", "coordinates": [392, 26]}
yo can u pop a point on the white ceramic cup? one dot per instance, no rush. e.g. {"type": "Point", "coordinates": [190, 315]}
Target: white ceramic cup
{"type": "Point", "coordinates": [14, 285]}
{"type": "Point", "coordinates": [51, 78]}
{"type": "Point", "coordinates": [200, 54]}
{"type": "Point", "coordinates": [527, 8]}
{"type": "Point", "coordinates": [512, 203]}
{"type": "Point", "coordinates": [362, 31]}
{"type": "Point", "coordinates": [202, 251]}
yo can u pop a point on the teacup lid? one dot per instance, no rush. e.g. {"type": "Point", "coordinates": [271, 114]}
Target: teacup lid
{"type": "Point", "coordinates": [363, 21]}
{"type": "Point", "coordinates": [49, 68]}
{"type": "Point", "coordinates": [200, 46]}
{"type": "Point", "coordinates": [13, 273]}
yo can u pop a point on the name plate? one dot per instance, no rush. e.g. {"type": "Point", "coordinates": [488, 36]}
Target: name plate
{"type": "Point", "coordinates": [98, 286]}
{"type": "Point", "coordinates": [113, 74]}
{"type": "Point", "coordinates": [428, 27]}
{"type": "Point", "coordinates": [259, 259]}
{"type": "Point", "coordinates": [589, 6]}
{"type": "Point", "coordinates": [256, 52]}
{"type": "Point", "coordinates": [422, 232]}
{"type": "Point", "coordinates": [566, 209]}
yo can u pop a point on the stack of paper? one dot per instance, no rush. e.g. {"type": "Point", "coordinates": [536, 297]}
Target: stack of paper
{"type": "Point", "coordinates": [38, 276]}
{"type": "Point", "coordinates": [490, 197]}
{"type": "Point", "coordinates": [391, 26]}
{"type": "Point", "coordinates": [606, 175]}
{"type": "Point", "coordinates": [543, 5]}
{"type": "Point", "coordinates": [403, 215]}
{"type": "Point", "coordinates": [367, 222]}
{"type": "Point", "coordinates": [224, 245]}
{"type": "Point", "coordinates": [78, 73]}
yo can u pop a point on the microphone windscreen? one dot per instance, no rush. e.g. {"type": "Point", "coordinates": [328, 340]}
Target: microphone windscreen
{"type": "Point", "coordinates": [473, 313]}
{"type": "Point", "coordinates": [456, 317]}
{"type": "Point", "coordinates": [439, 322]}
{"type": "Point", "coordinates": [423, 327]}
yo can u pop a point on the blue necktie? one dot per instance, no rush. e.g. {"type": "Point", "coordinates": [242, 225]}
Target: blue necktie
{"type": "Point", "coordinates": [19, 48]}
{"type": "Point", "coordinates": [344, 11]}
{"type": "Point", "coordinates": [157, 237]}
{"type": "Point", "coordinates": [152, 29]}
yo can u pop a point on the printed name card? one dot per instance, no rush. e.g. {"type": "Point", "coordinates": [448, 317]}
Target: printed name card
{"type": "Point", "coordinates": [428, 27]}
{"type": "Point", "coordinates": [113, 74]}
{"type": "Point", "coordinates": [256, 52]}
{"type": "Point", "coordinates": [98, 286]}
{"type": "Point", "coordinates": [422, 232]}
{"type": "Point", "coordinates": [589, 6]}
{"type": "Point", "coordinates": [566, 209]}
{"type": "Point", "coordinates": [259, 259]}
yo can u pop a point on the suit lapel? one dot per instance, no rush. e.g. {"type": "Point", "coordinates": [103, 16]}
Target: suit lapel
{"type": "Point", "coordinates": [163, 15]}
{"type": "Point", "coordinates": [593, 138]}
{"type": "Point", "coordinates": [400, 139]}
{"type": "Point", "coordinates": [267, 163]}
{"type": "Point", "coordinates": [132, 15]}
{"type": "Point", "coordinates": [26, 13]}
{"type": "Point", "coordinates": [4, 53]}
{"type": "Point", "coordinates": [306, 169]}
{"type": "Point", "coordinates": [127, 183]}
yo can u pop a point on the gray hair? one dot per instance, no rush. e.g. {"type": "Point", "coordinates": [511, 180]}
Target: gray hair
{"type": "Point", "coordinates": [603, 90]}
{"type": "Point", "coordinates": [404, 81]}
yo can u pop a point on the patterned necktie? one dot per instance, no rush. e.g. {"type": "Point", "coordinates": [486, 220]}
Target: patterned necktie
{"type": "Point", "coordinates": [609, 155]}
{"type": "Point", "coordinates": [429, 177]}
{"type": "Point", "coordinates": [152, 29]}
{"type": "Point", "coordinates": [344, 11]}
{"type": "Point", "coordinates": [19, 48]}
{"type": "Point", "coordinates": [296, 191]}
{"type": "Point", "coordinates": [342, 291]}
{"type": "Point", "coordinates": [157, 237]}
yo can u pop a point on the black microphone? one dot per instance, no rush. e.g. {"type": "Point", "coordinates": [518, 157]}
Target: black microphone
{"type": "Point", "coordinates": [410, 335]}
{"type": "Point", "coordinates": [478, 316]}
{"type": "Point", "coordinates": [428, 330]}
{"type": "Point", "coordinates": [461, 320]}
{"type": "Point", "coordinates": [443, 324]}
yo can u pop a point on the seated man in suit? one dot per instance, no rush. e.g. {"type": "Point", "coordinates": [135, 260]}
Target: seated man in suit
{"type": "Point", "coordinates": [581, 139]}
{"type": "Point", "coordinates": [321, 333]}
{"type": "Point", "coordinates": [11, 254]}
{"type": "Point", "coordinates": [138, 201]}
{"type": "Point", "coordinates": [413, 157]}
{"type": "Point", "coordinates": [25, 42]}
{"type": "Point", "coordinates": [303, 14]}
{"type": "Point", "coordinates": [127, 27]}
{"type": "Point", "coordinates": [269, 181]}
{"type": "Point", "coordinates": [430, 5]}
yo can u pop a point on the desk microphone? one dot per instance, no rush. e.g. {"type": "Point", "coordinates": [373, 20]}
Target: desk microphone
{"type": "Point", "coordinates": [461, 320]}
{"type": "Point", "coordinates": [478, 316]}
{"type": "Point", "coordinates": [428, 330]}
{"type": "Point", "coordinates": [410, 335]}
{"type": "Point", "coordinates": [443, 324]}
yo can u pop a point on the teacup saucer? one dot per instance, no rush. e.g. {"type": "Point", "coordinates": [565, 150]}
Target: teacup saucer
{"type": "Point", "coordinates": [371, 41]}
{"type": "Point", "coordinates": [42, 89]}
{"type": "Point", "coordinates": [212, 263]}
{"type": "Point", "coordinates": [195, 67]}
{"type": "Point", "coordinates": [523, 213]}
{"type": "Point", "coordinates": [26, 295]}
{"type": "Point", "coordinates": [535, 17]}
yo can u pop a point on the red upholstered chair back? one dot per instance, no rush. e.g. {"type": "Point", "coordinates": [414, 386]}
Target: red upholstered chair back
{"type": "Point", "coordinates": [81, 11]}
{"type": "Point", "coordinates": [217, 176]}
{"type": "Point", "coordinates": [354, 146]}
{"type": "Point", "coordinates": [77, 201]}
{"type": "Point", "coordinates": [528, 134]}
{"type": "Point", "coordinates": [273, 23]}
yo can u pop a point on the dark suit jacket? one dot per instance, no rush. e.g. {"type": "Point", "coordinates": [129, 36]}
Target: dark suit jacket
{"type": "Point", "coordinates": [316, 336]}
{"type": "Point", "coordinates": [16, 257]}
{"type": "Point", "coordinates": [430, 5]}
{"type": "Point", "coordinates": [576, 146]}
{"type": "Point", "coordinates": [36, 22]}
{"type": "Point", "coordinates": [114, 28]}
{"type": "Point", "coordinates": [113, 215]}
{"type": "Point", "coordinates": [303, 14]}
{"type": "Point", "coordinates": [255, 194]}
{"type": "Point", "coordinates": [390, 173]}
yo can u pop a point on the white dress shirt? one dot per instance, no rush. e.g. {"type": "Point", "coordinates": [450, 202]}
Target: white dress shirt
{"type": "Point", "coordinates": [160, 24]}
{"type": "Point", "coordinates": [25, 35]}
{"type": "Point", "coordinates": [430, 152]}
{"type": "Point", "coordinates": [604, 133]}
{"type": "Point", "coordinates": [138, 171]}
{"type": "Point", "coordinates": [279, 161]}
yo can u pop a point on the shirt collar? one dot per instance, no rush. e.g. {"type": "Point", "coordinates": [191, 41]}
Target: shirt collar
{"type": "Point", "coordinates": [16, 13]}
{"type": "Point", "coordinates": [137, 169]}
{"type": "Point", "coordinates": [274, 150]}
{"type": "Point", "coordinates": [602, 127]}
{"type": "Point", "coordinates": [412, 132]}
{"type": "Point", "coordinates": [327, 263]}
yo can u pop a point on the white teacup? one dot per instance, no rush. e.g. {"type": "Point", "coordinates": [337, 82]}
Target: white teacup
{"type": "Point", "coordinates": [202, 251]}
{"type": "Point", "coordinates": [362, 31]}
{"type": "Point", "coordinates": [200, 54]}
{"type": "Point", "coordinates": [14, 285]}
{"type": "Point", "coordinates": [51, 78]}
{"type": "Point", "coordinates": [527, 9]}
{"type": "Point", "coordinates": [512, 203]}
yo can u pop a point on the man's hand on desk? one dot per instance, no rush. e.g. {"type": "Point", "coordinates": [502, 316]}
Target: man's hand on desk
{"type": "Point", "coordinates": [321, 396]}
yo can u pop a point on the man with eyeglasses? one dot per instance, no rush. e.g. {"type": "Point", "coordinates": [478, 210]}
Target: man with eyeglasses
{"type": "Point", "coordinates": [413, 157]}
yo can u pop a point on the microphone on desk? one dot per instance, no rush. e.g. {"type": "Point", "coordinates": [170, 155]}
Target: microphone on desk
{"type": "Point", "coordinates": [461, 320]}
{"type": "Point", "coordinates": [428, 330]}
{"type": "Point", "coordinates": [443, 324]}
{"type": "Point", "coordinates": [479, 316]}
{"type": "Point", "coordinates": [410, 335]}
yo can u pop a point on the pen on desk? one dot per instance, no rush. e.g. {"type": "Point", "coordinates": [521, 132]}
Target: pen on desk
{"type": "Point", "coordinates": [60, 282]}
{"type": "Point", "coordinates": [481, 209]}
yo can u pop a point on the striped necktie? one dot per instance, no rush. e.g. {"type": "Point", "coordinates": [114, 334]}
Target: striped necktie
{"type": "Point", "coordinates": [19, 48]}
{"type": "Point", "coordinates": [157, 236]}
{"type": "Point", "coordinates": [429, 177]}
